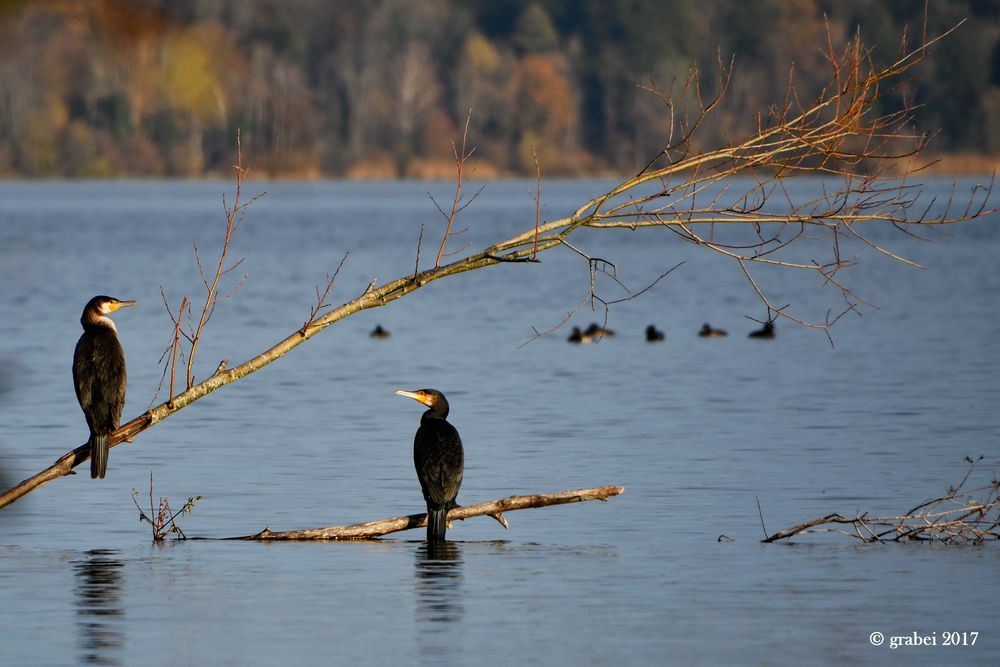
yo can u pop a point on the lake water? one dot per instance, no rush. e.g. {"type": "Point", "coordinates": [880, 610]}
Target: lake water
{"type": "Point", "coordinates": [694, 429]}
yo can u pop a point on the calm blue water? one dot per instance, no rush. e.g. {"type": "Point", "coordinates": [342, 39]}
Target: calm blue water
{"type": "Point", "coordinates": [694, 429]}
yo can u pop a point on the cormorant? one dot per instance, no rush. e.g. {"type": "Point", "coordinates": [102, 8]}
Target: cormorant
{"type": "Point", "coordinates": [438, 458]}
{"type": "Point", "coordinates": [766, 331]}
{"type": "Point", "coordinates": [595, 330]}
{"type": "Point", "coordinates": [707, 331]}
{"type": "Point", "coordinates": [653, 334]}
{"type": "Point", "coordinates": [99, 376]}
{"type": "Point", "coordinates": [379, 332]}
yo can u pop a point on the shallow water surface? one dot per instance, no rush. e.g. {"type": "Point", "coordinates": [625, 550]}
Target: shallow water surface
{"type": "Point", "coordinates": [695, 430]}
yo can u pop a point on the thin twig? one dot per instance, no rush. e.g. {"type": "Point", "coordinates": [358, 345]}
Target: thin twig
{"type": "Point", "coordinates": [176, 346]}
{"type": "Point", "coordinates": [537, 196]}
{"type": "Point", "coordinates": [322, 298]}
{"type": "Point", "coordinates": [456, 205]}
{"type": "Point", "coordinates": [760, 513]}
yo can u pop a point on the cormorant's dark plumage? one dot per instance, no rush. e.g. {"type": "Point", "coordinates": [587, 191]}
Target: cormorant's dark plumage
{"type": "Point", "coordinates": [99, 377]}
{"type": "Point", "coordinates": [438, 458]}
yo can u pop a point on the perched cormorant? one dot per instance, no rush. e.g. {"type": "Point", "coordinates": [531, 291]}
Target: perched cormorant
{"type": "Point", "coordinates": [766, 331]}
{"type": "Point", "coordinates": [99, 376]}
{"type": "Point", "coordinates": [707, 331]}
{"type": "Point", "coordinates": [379, 332]}
{"type": "Point", "coordinates": [653, 334]}
{"type": "Point", "coordinates": [438, 458]}
{"type": "Point", "coordinates": [597, 331]}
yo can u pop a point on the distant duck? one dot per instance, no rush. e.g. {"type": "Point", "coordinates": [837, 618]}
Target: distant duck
{"type": "Point", "coordinates": [379, 332]}
{"type": "Point", "coordinates": [597, 331]}
{"type": "Point", "coordinates": [653, 334]}
{"type": "Point", "coordinates": [577, 336]}
{"type": "Point", "coordinates": [766, 331]}
{"type": "Point", "coordinates": [707, 331]}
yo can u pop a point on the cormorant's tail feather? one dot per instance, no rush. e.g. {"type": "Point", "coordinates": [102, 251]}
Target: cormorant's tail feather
{"type": "Point", "coordinates": [437, 523]}
{"type": "Point", "coordinates": [98, 455]}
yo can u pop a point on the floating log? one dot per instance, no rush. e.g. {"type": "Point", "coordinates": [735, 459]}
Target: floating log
{"type": "Point", "coordinates": [494, 508]}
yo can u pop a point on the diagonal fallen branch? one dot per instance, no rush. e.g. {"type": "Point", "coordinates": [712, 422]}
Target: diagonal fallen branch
{"type": "Point", "coordinates": [380, 527]}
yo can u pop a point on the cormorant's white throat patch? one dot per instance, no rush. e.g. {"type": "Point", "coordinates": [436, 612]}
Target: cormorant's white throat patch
{"type": "Point", "coordinates": [106, 321]}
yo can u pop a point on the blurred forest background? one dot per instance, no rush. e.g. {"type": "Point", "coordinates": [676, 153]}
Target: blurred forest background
{"type": "Point", "coordinates": [101, 88]}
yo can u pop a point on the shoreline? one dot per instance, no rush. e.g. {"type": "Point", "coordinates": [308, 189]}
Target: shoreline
{"type": "Point", "coordinates": [963, 165]}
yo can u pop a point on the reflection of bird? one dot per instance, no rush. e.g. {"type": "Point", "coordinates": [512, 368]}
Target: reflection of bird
{"type": "Point", "coordinates": [595, 330]}
{"type": "Point", "coordinates": [100, 611]}
{"type": "Point", "coordinates": [379, 332]}
{"type": "Point", "coordinates": [438, 458]}
{"type": "Point", "coordinates": [766, 331]}
{"type": "Point", "coordinates": [707, 331]}
{"type": "Point", "coordinates": [653, 334]}
{"type": "Point", "coordinates": [577, 336]}
{"type": "Point", "coordinates": [439, 583]}
{"type": "Point", "coordinates": [99, 376]}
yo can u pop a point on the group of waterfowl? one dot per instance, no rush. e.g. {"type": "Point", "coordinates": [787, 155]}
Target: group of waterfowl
{"type": "Point", "coordinates": [653, 335]}
{"type": "Point", "coordinates": [100, 380]}
{"type": "Point", "coordinates": [595, 332]}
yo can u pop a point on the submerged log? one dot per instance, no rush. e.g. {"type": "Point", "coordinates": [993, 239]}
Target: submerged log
{"type": "Point", "coordinates": [494, 508]}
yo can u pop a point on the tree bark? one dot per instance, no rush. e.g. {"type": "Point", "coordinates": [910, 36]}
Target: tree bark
{"type": "Point", "coordinates": [380, 527]}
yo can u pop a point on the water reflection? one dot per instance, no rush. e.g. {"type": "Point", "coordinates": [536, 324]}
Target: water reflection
{"type": "Point", "coordinates": [439, 583]}
{"type": "Point", "coordinates": [100, 616]}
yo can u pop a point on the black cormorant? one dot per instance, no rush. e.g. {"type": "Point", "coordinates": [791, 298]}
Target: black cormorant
{"type": "Point", "coordinates": [653, 334]}
{"type": "Point", "coordinates": [379, 332]}
{"type": "Point", "coordinates": [438, 458]}
{"type": "Point", "coordinates": [707, 331]}
{"type": "Point", "coordinates": [99, 376]}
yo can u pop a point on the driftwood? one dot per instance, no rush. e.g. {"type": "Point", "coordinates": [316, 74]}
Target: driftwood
{"type": "Point", "coordinates": [957, 517]}
{"type": "Point", "coordinates": [494, 508]}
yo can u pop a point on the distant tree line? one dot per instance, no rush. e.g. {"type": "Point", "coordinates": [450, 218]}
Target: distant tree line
{"type": "Point", "coordinates": [345, 88]}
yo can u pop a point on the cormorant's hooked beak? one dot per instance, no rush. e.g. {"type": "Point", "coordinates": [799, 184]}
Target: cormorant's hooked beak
{"type": "Point", "coordinates": [418, 396]}
{"type": "Point", "coordinates": [115, 305]}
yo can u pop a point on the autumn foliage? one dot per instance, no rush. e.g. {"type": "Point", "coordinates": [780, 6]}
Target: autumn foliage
{"type": "Point", "coordinates": [95, 88]}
